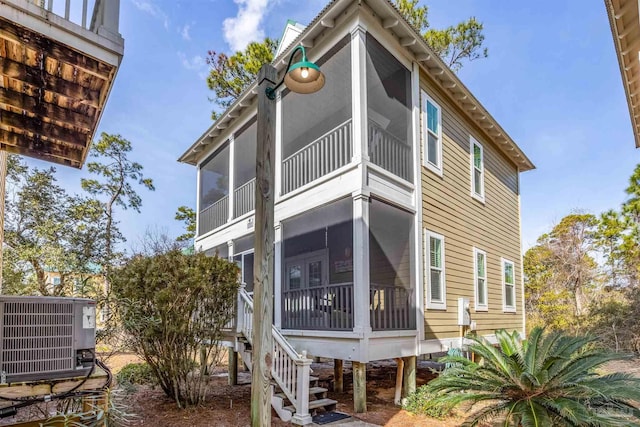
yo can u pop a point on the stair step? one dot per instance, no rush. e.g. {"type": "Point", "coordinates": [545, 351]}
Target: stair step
{"type": "Point", "coordinates": [317, 390]}
{"type": "Point", "coordinates": [312, 391]}
{"type": "Point", "coordinates": [314, 404]}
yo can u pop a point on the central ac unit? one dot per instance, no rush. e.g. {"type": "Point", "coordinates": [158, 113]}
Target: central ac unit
{"type": "Point", "coordinates": [46, 337]}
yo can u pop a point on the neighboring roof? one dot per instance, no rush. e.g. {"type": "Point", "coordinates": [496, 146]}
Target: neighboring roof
{"type": "Point", "coordinates": [290, 33]}
{"type": "Point", "coordinates": [625, 26]}
{"type": "Point", "coordinates": [392, 20]}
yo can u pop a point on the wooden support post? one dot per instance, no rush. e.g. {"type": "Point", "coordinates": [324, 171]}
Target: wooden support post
{"type": "Point", "coordinates": [359, 387]}
{"type": "Point", "coordinates": [399, 380]}
{"type": "Point", "coordinates": [409, 376]}
{"type": "Point", "coordinates": [338, 376]}
{"type": "Point", "coordinates": [263, 260]}
{"type": "Point", "coordinates": [3, 176]}
{"type": "Point", "coordinates": [233, 367]}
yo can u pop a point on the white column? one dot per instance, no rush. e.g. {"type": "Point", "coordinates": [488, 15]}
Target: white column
{"type": "Point", "coordinates": [418, 259]}
{"type": "Point", "coordinates": [107, 23]}
{"type": "Point", "coordinates": [111, 15]}
{"type": "Point", "coordinates": [277, 276]}
{"type": "Point", "coordinates": [359, 92]}
{"type": "Point", "coordinates": [278, 162]}
{"type": "Point", "coordinates": [361, 296]}
{"type": "Point", "coordinates": [230, 250]}
{"type": "Point", "coordinates": [232, 166]}
{"type": "Point", "coordinates": [198, 201]}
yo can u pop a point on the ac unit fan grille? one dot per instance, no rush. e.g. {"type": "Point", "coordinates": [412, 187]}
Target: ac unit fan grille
{"type": "Point", "coordinates": [37, 337]}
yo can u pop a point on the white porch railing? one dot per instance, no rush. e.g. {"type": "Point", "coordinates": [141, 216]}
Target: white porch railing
{"type": "Point", "coordinates": [244, 198]}
{"type": "Point", "coordinates": [391, 307]}
{"type": "Point", "coordinates": [327, 307]}
{"type": "Point", "coordinates": [324, 155]}
{"type": "Point", "coordinates": [289, 369]}
{"type": "Point", "coordinates": [213, 216]}
{"type": "Point", "coordinates": [90, 14]}
{"type": "Point", "coordinates": [389, 152]}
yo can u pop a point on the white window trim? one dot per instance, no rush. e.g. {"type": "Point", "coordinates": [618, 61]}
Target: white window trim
{"type": "Point", "coordinates": [505, 307]}
{"type": "Point", "coordinates": [435, 305]}
{"type": "Point", "coordinates": [474, 194]}
{"type": "Point", "coordinates": [437, 169]}
{"type": "Point", "coordinates": [477, 306]}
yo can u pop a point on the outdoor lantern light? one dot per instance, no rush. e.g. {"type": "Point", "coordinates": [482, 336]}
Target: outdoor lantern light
{"type": "Point", "coordinates": [301, 77]}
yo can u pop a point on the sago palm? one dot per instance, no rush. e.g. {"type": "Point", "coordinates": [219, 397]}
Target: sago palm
{"type": "Point", "coordinates": [550, 379]}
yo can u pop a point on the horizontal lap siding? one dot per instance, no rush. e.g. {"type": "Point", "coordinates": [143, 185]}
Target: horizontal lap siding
{"type": "Point", "coordinates": [449, 209]}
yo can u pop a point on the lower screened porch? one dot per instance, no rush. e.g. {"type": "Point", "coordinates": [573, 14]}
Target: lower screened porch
{"type": "Point", "coordinates": [347, 266]}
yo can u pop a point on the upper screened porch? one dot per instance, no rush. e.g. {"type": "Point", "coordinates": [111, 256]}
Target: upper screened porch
{"type": "Point", "coordinates": [364, 114]}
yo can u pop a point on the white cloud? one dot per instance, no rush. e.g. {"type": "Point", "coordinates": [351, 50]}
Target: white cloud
{"type": "Point", "coordinates": [245, 27]}
{"type": "Point", "coordinates": [184, 32]}
{"type": "Point", "coordinates": [147, 6]}
{"type": "Point", "coordinates": [196, 63]}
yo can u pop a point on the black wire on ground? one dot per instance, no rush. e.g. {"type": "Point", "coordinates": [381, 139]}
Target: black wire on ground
{"type": "Point", "coordinates": [24, 401]}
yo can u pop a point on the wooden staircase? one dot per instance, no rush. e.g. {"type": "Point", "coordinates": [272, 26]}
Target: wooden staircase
{"type": "Point", "coordinates": [295, 394]}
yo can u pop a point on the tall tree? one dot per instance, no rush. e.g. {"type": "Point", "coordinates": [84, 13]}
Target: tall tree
{"type": "Point", "coordinates": [230, 75]}
{"type": "Point", "coordinates": [561, 271]}
{"type": "Point", "coordinates": [547, 302]}
{"type": "Point", "coordinates": [572, 245]}
{"type": "Point", "coordinates": [610, 234]}
{"type": "Point", "coordinates": [116, 177]}
{"type": "Point", "coordinates": [47, 231]}
{"type": "Point", "coordinates": [456, 45]}
{"type": "Point", "coordinates": [188, 216]}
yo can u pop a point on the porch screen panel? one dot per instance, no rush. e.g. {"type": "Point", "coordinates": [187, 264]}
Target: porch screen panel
{"type": "Point", "coordinates": [390, 267]}
{"type": "Point", "coordinates": [214, 190]}
{"type": "Point", "coordinates": [244, 168]}
{"type": "Point", "coordinates": [317, 268]}
{"type": "Point", "coordinates": [316, 128]}
{"type": "Point", "coordinates": [389, 111]}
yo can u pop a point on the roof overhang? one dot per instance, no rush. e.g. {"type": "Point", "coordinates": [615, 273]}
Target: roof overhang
{"type": "Point", "coordinates": [625, 26]}
{"type": "Point", "coordinates": [392, 20]}
{"type": "Point", "coordinates": [55, 78]}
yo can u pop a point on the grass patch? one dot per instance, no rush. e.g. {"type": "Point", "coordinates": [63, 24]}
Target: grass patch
{"type": "Point", "coordinates": [423, 402]}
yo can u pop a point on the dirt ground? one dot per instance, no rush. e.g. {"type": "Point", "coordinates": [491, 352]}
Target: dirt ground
{"type": "Point", "coordinates": [230, 405]}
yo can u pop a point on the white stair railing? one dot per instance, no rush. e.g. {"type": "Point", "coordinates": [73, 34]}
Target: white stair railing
{"type": "Point", "coordinates": [290, 370]}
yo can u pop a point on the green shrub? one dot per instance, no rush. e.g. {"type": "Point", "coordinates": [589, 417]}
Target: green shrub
{"type": "Point", "coordinates": [550, 379]}
{"type": "Point", "coordinates": [135, 374]}
{"type": "Point", "coordinates": [423, 402]}
{"type": "Point", "coordinates": [170, 304]}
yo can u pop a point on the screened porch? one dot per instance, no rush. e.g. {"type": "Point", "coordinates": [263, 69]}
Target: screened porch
{"type": "Point", "coordinates": [318, 269]}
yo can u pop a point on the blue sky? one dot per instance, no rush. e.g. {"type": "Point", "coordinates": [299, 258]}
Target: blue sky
{"type": "Point", "coordinates": [551, 80]}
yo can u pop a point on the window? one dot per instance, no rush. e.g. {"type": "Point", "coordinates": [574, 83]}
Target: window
{"type": "Point", "coordinates": [480, 279]}
{"type": "Point", "coordinates": [477, 170]}
{"type": "Point", "coordinates": [436, 292]}
{"type": "Point", "coordinates": [56, 281]}
{"type": "Point", "coordinates": [432, 134]}
{"type": "Point", "coordinates": [508, 286]}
